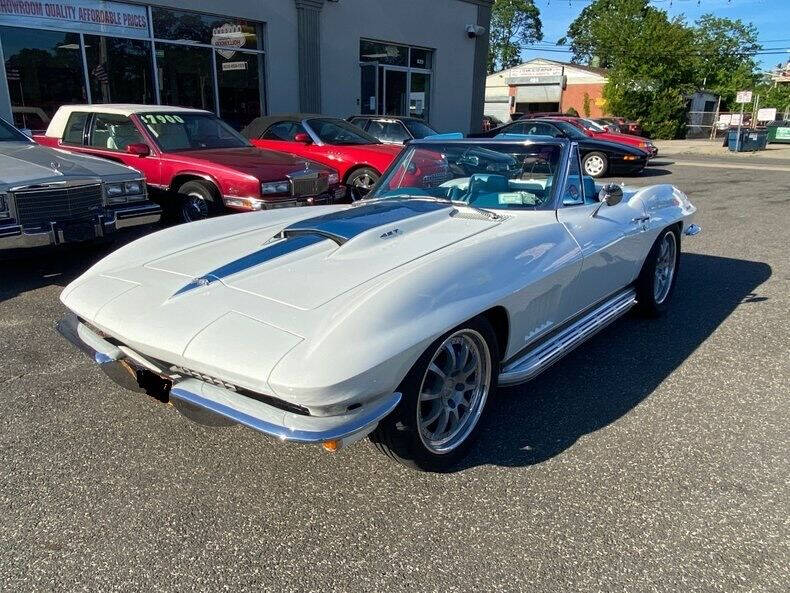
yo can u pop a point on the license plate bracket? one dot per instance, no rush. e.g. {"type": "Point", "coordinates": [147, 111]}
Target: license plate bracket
{"type": "Point", "coordinates": [75, 232]}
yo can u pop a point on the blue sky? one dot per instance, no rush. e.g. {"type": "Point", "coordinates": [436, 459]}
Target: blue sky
{"type": "Point", "coordinates": [771, 17]}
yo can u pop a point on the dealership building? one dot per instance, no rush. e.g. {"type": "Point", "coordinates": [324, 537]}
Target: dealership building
{"type": "Point", "coordinates": [242, 59]}
{"type": "Point", "coordinates": [543, 85]}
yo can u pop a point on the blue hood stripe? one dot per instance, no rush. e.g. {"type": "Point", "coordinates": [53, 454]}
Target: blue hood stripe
{"type": "Point", "coordinates": [339, 227]}
{"type": "Point", "coordinates": [268, 253]}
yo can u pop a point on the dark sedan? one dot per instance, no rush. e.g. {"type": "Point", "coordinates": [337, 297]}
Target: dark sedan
{"type": "Point", "coordinates": [393, 129]}
{"type": "Point", "coordinates": [599, 157]}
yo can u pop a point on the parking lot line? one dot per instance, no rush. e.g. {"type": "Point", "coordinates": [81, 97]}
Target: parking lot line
{"type": "Point", "coordinates": [732, 166]}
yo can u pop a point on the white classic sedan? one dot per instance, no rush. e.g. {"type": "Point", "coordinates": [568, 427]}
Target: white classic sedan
{"type": "Point", "coordinates": [471, 264]}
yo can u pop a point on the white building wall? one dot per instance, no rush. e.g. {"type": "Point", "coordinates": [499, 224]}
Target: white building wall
{"type": "Point", "coordinates": [436, 24]}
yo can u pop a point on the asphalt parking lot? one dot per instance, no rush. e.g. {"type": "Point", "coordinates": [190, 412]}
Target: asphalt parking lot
{"type": "Point", "coordinates": [654, 458]}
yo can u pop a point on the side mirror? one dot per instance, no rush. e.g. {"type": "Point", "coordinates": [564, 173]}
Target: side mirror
{"type": "Point", "coordinates": [138, 149]}
{"type": "Point", "coordinates": [611, 194]}
{"type": "Point", "coordinates": [303, 138]}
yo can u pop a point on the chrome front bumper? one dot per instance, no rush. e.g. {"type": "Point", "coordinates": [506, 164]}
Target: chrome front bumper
{"type": "Point", "coordinates": [14, 236]}
{"type": "Point", "coordinates": [126, 370]}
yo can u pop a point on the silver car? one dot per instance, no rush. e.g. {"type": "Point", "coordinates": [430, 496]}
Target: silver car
{"type": "Point", "coordinates": [51, 197]}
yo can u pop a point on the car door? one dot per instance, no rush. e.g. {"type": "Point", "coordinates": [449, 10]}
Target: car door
{"type": "Point", "coordinates": [612, 239]}
{"type": "Point", "coordinates": [280, 136]}
{"type": "Point", "coordinates": [108, 137]}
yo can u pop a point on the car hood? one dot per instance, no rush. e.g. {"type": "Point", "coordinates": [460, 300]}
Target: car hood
{"type": "Point", "coordinates": [270, 279]}
{"type": "Point", "coordinates": [261, 163]}
{"type": "Point", "coordinates": [623, 138]}
{"type": "Point", "coordinates": [23, 162]}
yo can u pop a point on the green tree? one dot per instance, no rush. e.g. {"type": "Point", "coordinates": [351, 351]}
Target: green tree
{"type": "Point", "coordinates": [724, 49]}
{"type": "Point", "coordinates": [514, 25]}
{"type": "Point", "coordinates": [655, 62]}
{"type": "Point", "coordinates": [602, 32]}
{"type": "Point", "coordinates": [586, 104]}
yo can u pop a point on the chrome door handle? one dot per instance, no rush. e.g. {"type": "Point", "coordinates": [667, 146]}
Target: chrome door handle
{"type": "Point", "coordinates": [640, 219]}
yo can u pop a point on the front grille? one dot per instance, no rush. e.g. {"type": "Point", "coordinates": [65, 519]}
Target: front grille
{"type": "Point", "coordinates": [42, 206]}
{"type": "Point", "coordinates": [311, 185]}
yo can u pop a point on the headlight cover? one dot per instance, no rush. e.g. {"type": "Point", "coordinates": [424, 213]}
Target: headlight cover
{"type": "Point", "coordinates": [4, 213]}
{"type": "Point", "coordinates": [275, 187]}
{"type": "Point", "coordinates": [114, 189]}
{"type": "Point", "coordinates": [125, 191]}
{"type": "Point", "coordinates": [133, 187]}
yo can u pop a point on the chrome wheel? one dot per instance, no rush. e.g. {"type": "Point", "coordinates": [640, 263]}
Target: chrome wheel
{"type": "Point", "coordinates": [194, 207]}
{"type": "Point", "coordinates": [364, 182]}
{"type": "Point", "coordinates": [594, 165]}
{"type": "Point", "coordinates": [665, 267]}
{"type": "Point", "coordinates": [453, 391]}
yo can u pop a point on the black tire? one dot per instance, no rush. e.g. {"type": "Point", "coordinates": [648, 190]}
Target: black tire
{"type": "Point", "coordinates": [649, 303]}
{"type": "Point", "coordinates": [398, 435]}
{"type": "Point", "coordinates": [362, 179]}
{"type": "Point", "coordinates": [197, 200]}
{"type": "Point", "coordinates": [597, 163]}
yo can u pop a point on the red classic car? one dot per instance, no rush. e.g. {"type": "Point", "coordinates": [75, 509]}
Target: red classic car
{"type": "Point", "coordinates": [595, 130]}
{"type": "Point", "coordinates": [194, 157]}
{"type": "Point", "coordinates": [359, 157]}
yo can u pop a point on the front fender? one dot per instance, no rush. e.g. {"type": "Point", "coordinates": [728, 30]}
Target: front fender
{"type": "Point", "coordinates": [368, 344]}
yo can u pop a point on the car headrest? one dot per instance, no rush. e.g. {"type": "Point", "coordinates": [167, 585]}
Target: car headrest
{"type": "Point", "coordinates": [487, 183]}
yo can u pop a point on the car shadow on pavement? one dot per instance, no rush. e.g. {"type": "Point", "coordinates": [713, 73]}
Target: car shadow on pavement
{"type": "Point", "coordinates": [608, 376]}
{"type": "Point", "coordinates": [653, 172]}
{"type": "Point", "coordinates": [37, 268]}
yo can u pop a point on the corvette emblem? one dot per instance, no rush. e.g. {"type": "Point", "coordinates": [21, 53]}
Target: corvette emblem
{"type": "Point", "coordinates": [390, 234]}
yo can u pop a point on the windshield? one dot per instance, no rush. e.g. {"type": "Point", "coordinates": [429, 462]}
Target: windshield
{"type": "Point", "coordinates": [570, 130]}
{"type": "Point", "coordinates": [495, 175]}
{"type": "Point", "coordinates": [591, 125]}
{"type": "Point", "coordinates": [339, 132]}
{"type": "Point", "coordinates": [9, 133]}
{"type": "Point", "coordinates": [419, 129]}
{"type": "Point", "coordinates": [191, 131]}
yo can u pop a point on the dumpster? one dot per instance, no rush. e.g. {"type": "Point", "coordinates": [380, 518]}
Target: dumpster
{"type": "Point", "coordinates": [779, 131]}
{"type": "Point", "coordinates": [751, 140]}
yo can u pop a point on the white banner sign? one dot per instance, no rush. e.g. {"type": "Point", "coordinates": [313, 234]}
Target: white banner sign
{"type": "Point", "coordinates": [766, 114]}
{"type": "Point", "coordinates": [535, 70]}
{"type": "Point", "coordinates": [743, 97]}
{"type": "Point", "coordinates": [86, 16]}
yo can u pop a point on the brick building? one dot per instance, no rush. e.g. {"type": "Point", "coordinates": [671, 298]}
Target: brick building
{"type": "Point", "coordinates": [542, 85]}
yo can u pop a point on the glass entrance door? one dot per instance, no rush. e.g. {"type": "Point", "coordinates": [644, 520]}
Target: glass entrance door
{"type": "Point", "coordinates": [395, 92]}
{"type": "Point", "coordinates": [368, 95]}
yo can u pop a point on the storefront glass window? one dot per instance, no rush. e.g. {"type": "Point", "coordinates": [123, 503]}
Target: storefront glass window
{"type": "Point", "coordinates": [185, 76]}
{"type": "Point", "coordinates": [44, 71]}
{"type": "Point", "coordinates": [395, 79]}
{"type": "Point", "coordinates": [119, 70]}
{"type": "Point", "coordinates": [239, 79]}
{"type": "Point", "coordinates": [383, 53]}
{"type": "Point", "coordinates": [213, 30]}
{"type": "Point", "coordinates": [420, 58]}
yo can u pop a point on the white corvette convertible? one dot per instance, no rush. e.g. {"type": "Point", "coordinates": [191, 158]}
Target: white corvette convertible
{"type": "Point", "coordinates": [471, 264]}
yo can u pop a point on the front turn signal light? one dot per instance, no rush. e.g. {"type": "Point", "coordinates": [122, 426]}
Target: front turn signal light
{"type": "Point", "coordinates": [333, 445]}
